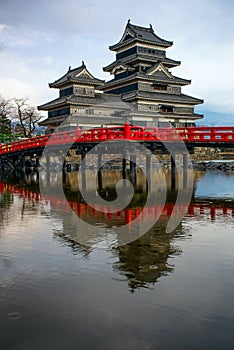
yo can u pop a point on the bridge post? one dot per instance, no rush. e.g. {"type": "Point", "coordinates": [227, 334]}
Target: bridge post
{"type": "Point", "coordinates": [173, 172]}
{"type": "Point", "coordinates": [47, 156]}
{"type": "Point", "coordinates": [185, 170]}
{"type": "Point", "coordinates": [124, 165]}
{"type": "Point", "coordinates": [37, 162]}
{"type": "Point", "coordinates": [127, 131]}
{"type": "Point", "coordinates": [19, 162]}
{"type": "Point", "coordinates": [148, 171]}
{"type": "Point", "coordinates": [83, 169]}
{"type": "Point", "coordinates": [47, 160]}
{"type": "Point", "coordinates": [27, 160]}
{"type": "Point", "coordinates": [99, 172]}
{"type": "Point", "coordinates": [133, 168]}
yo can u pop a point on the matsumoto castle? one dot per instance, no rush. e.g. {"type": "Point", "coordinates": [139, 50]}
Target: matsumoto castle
{"type": "Point", "coordinates": [142, 90]}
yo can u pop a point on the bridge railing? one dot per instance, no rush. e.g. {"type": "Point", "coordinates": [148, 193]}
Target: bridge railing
{"type": "Point", "coordinates": [30, 143]}
{"type": "Point", "coordinates": [127, 132]}
{"type": "Point", "coordinates": [207, 134]}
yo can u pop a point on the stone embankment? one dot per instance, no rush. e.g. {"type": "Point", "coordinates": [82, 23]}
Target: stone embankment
{"type": "Point", "coordinates": [212, 165]}
{"type": "Point", "coordinates": [212, 159]}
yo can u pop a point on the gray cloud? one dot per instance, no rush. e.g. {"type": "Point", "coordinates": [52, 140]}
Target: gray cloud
{"type": "Point", "coordinates": [68, 32]}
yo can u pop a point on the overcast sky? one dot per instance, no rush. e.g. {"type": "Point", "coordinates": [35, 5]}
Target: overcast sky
{"type": "Point", "coordinates": [39, 40]}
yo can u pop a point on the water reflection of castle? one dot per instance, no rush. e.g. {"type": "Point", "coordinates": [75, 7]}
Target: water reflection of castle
{"type": "Point", "coordinates": [143, 261]}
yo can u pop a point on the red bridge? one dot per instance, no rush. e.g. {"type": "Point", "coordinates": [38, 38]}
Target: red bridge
{"type": "Point", "coordinates": [193, 136]}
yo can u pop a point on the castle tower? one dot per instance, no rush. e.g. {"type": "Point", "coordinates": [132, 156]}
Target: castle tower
{"type": "Point", "coordinates": [80, 104]}
{"type": "Point", "coordinates": [142, 77]}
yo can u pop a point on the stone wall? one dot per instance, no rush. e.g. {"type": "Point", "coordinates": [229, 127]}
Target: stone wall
{"type": "Point", "coordinates": [205, 153]}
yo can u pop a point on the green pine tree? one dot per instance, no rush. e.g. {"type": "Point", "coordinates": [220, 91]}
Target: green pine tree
{"type": "Point", "coordinates": [5, 123]}
{"type": "Point", "coordinates": [5, 129]}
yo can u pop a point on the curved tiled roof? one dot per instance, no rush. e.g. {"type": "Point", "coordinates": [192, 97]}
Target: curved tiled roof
{"type": "Point", "coordinates": [133, 32]}
{"type": "Point", "coordinates": [154, 78]}
{"type": "Point", "coordinates": [143, 58]}
{"type": "Point", "coordinates": [110, 100]}
{"type": "Point", "coordinates": [77, 75]}
{"type": "Point", "coordinates": [163, 97]}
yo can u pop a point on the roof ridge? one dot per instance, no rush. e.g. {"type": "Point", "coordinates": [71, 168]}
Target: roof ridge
{"type": "Point", "coordinates": [139, 27]}
{"type": "Point", "coordinates": [79, 67]}
{"type": "Point", "coordinates": [74, 69]}
{"type": "Point", "coordinates": [69, 70]}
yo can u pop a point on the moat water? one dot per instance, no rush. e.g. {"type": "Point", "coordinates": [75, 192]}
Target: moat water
{"type": "Point", "coordinates": [162, 291]}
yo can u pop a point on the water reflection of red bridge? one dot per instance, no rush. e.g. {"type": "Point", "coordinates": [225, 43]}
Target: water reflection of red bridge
{"type": "Point", "coordinates": [83, 210]}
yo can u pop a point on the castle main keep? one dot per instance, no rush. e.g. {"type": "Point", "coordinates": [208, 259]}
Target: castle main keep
{"type": "Point", "coordinates": [143, 91]}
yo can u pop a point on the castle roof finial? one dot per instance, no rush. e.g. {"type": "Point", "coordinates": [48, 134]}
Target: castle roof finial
{"type": "Point", "coordinates": [83, 64]}
{"type": "Point", "coordinates": [129, 20]}
{"type": "Point", "coordinates": [69, 68]}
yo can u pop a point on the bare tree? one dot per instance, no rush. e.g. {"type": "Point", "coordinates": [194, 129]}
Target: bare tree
{"type": "Point", "coordinates": [25, 117]}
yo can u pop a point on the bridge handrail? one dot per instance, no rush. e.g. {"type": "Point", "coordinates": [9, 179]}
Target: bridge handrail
{"type": "Point", "coordinates": [207, 134]}
{"type": "Point", "coordinates": [127, 132]}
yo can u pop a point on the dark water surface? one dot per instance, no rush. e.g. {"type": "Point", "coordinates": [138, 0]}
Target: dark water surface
{"type": "Point", "coordinates": [162, 291]}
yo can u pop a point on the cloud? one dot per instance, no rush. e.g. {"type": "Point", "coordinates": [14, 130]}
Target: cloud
{"type": "Point", "coordinates": [19, 77]}
{"type": "Point", "coordinates": [11, 36]}
{"type": "Point", "coordinates": [39, 40]}
{"type": "Point", "coordinates": [48, 59]}
{"type": "Point", "coordinates": [23, 37]}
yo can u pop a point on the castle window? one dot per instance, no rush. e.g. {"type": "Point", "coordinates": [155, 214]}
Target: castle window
{"type": "Point", "coordinates": [66, 92]}
{"type": "Point", "coordinates": [126, 53]}
{"type": "Point", "coordinates": [160, 87]}
{"type": "Point", "coordinates": [59, 112]}
{"type": "Point", "coordinates": [122, 75]}
{"type": "Point", "coordinates": [124, 89]}
{"type": "Point", "coordinates": [166, 109]}
{"type": "Point", "coordinates": [89, 111]}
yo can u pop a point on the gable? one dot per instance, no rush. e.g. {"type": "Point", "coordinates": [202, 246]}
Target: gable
{"type": "Point", "coordinates": [159, 70]}
{"type": "Point", "coordinates": [84, 74]}
{"type": "Point", "coordinates": [128, 34]}
{"type": "Point", "coordinates": [119, 68]}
